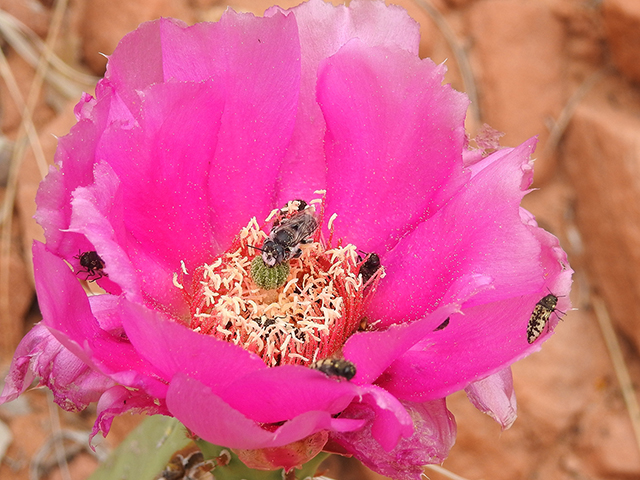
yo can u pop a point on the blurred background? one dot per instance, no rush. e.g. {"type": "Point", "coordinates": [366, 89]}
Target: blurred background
{"type": "Point", "coordinates": [566, 70]}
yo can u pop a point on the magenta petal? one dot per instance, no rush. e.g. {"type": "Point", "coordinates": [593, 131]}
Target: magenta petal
{"type": "Point", "coordinates": [483, 340]}
{"type": "Point", "coordinates": [494, 396]}
{"type": "Point", "coordinates": [255, 65]}
{"type": "Point", "coordinates": [556, 271]}
{"type": "Point", "coordinates": [162, 51]}
{"type": "Point", "coordinates": [84, 107]}
{"type": "Point", "coordinates": [388, 174]}
{"type": "Point", "coordinates": [209, 417]}
{"type": "Point", "coordinates": [491, 332]}
{"type": "Point", "coordinates": [171, 202]}
{"type": "Point", "coordinates": [478, 231]}
{"type": "Point", "coordinates": [433, 436]}
{"type": "Point", "coordinates": [323, 29]}
{"type": "Point", "coordinates": [95, 217]}
{"type": "Point", "coordinates": [134, 223]}
{"type": "Point", "coordinates": [276, 394]}
{"type": "Point", "coordinates": [67, 312]}
{"type": "Point", "coordinates": [264, 67]}
{"type": "Point", "coordinates": [54, 193]}
{"type": "Point", "coordinates": [266, 395]}
{"type": "Point", "coordinates": [173, 349]}
{"type": "Point", "coordinates": [391, 421]}
{"type": "Point", "coordinates": [77, 152]}
{"type": "Point", "coordinates": [54, 209]}
{"type": "Point", "coordinates": [63, 302]}
{"type": "Point", "coordinates": [73, 383]}
{"type": "Point", "coordinates": [118, 400]}
{"type": "Point", "coordinates": [374, 351]}
{"type": "Point", "coordinates": [22, 373]}
{"type": "Point", "coordinates": [208, 143]}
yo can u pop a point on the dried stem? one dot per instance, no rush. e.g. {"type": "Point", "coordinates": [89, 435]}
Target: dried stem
{"type": "Point", "coordinates": [11, 327]}
{"type": "Point", "coordinates": [29, 129]}
{"type": "Point", "coordinates": [444, 472]}
{"type": "Point", "coordinates": [619, 365]}
{"type": "Point", "coordinates": [568, 111]}
{"type": "Point", "coordinates": [28, 45]}
{"type": "Point", "coordinates": [57, 444]}
{"type": "Point", "coordinates": [459, 54]}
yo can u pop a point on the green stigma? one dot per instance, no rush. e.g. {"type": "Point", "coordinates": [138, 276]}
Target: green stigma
{"type": "Point", "coordinates": [267, 277]}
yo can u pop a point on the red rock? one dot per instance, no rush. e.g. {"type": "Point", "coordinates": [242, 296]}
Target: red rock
{"type": "Point", "coordinates": [584, 37]}
{"type": "Point", "coordinates": [107, 21]}
{"type": "Point", "coordinates": [608, 442]}
{"type": "Point", "coordinates": [571, 423]}
{"type": "Point", "coordinates": [32, 13]}
{"type": "Point", "coordinates": [82, 466]}
{"type": "Point", "coordinates": [11, 113]}
{"type": "Point", "coordinates": [553, 388]}
{"type": "Point", "coordinates": [21, 294]}
{"type": "Point", "coordinates": [459, 3]}
{"type": "Point", "coordinates": [622, 27]}
{"type": "Point", "coordinates": [602, 155]}
{"type": "Point", "coordinates": [30, 176]}
{"type": "Point", "coordinates": [517, 56]}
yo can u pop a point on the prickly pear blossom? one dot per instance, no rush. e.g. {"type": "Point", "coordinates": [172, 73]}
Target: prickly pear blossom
{"type": "Point", "coordinates": [196, 150]}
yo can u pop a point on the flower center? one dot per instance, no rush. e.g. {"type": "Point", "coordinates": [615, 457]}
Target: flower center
{"type": "Point", "coordinates": [308, 317]}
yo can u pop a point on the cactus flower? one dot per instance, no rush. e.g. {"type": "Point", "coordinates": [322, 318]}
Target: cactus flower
{"type": "Point", "coordinates": [418, 278]}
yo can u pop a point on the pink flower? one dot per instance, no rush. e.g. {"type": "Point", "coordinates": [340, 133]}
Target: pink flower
{"type": "Point", "coordinates": [196, 130]}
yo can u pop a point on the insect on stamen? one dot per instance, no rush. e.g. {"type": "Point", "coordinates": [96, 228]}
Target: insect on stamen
{"type": "Point", "coordinates": [300, 308]}
{"type": "Point", "coordinates": [295, 225]}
